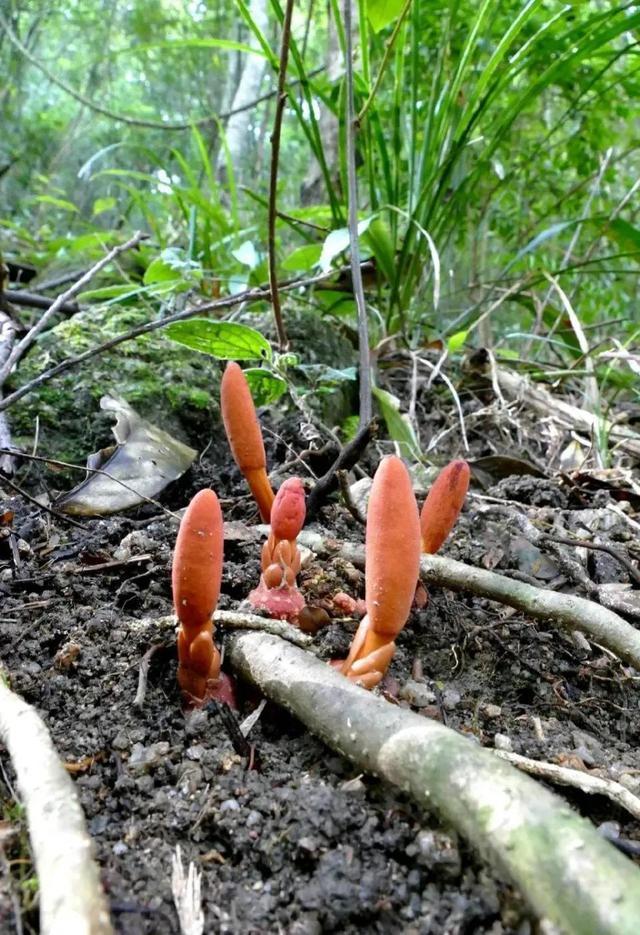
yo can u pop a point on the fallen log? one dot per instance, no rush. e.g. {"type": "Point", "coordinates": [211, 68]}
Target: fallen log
{"type": "Point", "coordinates": [569, 875]}
{"type": "Point", "coordinates": [71, 897]}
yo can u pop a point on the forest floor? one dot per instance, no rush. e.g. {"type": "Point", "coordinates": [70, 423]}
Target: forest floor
{"type": "Point", "coordinates": [301, 842]}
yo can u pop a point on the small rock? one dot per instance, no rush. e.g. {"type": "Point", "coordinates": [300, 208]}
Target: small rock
{"type": "Point", "coordinates": [585, 755]}
{"type": "Point", "coordinates": [502, 742]}
{"type": "Point", "coordinates": [31, 667]}
{"type": "Point", "coordinates": [582, 739]}
{"type": "Point", "coordinates": [189, 777]}
{"type": "Point", "coordinates": [418, 694]}
{"type": "Point", "coordinates": [66, 655]}
{"type": "Point", "coordinates": [436, 850]}
{"type": "Point", "coordinates": [120, 848]}
{"type": "Point", "coordinates": [120, 741]}
{"type": "Point", "coordinates": [144, 758]}
{"type": "Point", "coordinates": [195, 752]}
{"type": "Point", "coordinates": [451, 698]}
{"type": "Point", "coordinates": [230, 805]}
{"type": "Point", "coordinates": [144, 784]}
{"type": "Point", "coordinates": [307, 924]}
{"type": "Point", "coordinates": [630, 781]}
{"type": "Point", "coordinates": [308, 845]}
{"type": "Point", "coordinates": [134, 543]}
{"type": "Point", "coordinates": [492, 710]}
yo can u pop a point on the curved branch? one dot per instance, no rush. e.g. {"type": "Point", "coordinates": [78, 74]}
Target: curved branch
{"type": "Point", "coordinates": [567, 611]}
{"type": "Point", "coordinates": [124, 118]}
{"type": "Point", "coordinates": [566, 871]}
{"type": "Point", "coordinates": [71, 898]}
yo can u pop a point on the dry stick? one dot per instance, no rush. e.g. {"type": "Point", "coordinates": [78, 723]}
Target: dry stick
{"type": "Point", "coordinates": [273, 176]}
{"type": "Point", "coordinates": [33, 300]}
{"type": "Point", "coordinates": [71, 898]}
{"type": "Point", "coordinates": [62, 299]}
{"type": "Point", "coordinates": [356, 272]}
{"type": "Point", "coordinates": [564, 414]}
{"type": "Point", "coordinates": [348, 457]}
{"type": "Point", "coordinates": [249, 295]}
{"type": "Point", "coordinates": [631, 570]}
{"type": "Point", "coordinates": [566, 871]}
{"type": "Point", "coordinates": [86, 470]}
{"type": "Point", "coordinates": [564, 610]}
{"type": "Point", "coordinates": [577, 779]}
{"type": "Point", "coordinates": [7, 340]}
{"type": "Point", "coordinates": [237, 620]}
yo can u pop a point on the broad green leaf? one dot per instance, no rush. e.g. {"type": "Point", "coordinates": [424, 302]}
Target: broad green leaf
{"type": "Point", "coordinates": [378, 236]}
{"type": "Point", "coordinates": [266, 387]}
{"type": "Point", "coordinates": [382, 12]}
{"type": "Point", "coordinates": [398, 425]}
{"type": "Point", "coordinates": [303, 258]}
{"type": "Point", "coordinates": [100, 205]}
{"type": "Point", "coordinates": [225, 340]}
{"type": "Point", "coordinates": [247, 254]}
{"type": "Point", "coordinates": [56, 202]}
{"type": "Point", "coordinates": [119, 291]}
{"type": "Point", "coordinates": [159, 271]}
{"type": "Point", "coordinates": [336, 242]}
{"type": "Point", "coordinates": [625, 235]}
{"type": "Point", "coordinates": [456, 341]}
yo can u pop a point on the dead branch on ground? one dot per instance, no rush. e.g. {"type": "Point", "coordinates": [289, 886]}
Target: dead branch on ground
{"type": "Point", "coordinates": [71, 897]}
{"type": "Point", "coordinates": [568, 874]}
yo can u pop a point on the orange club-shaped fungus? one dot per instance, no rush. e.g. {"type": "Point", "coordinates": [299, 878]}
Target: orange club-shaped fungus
{"type": "Point", "coordinates": [245, 436]}
{"type": "Point", "coordinates": [277, 592]}
{"type": "Point", "coordinates": [392, 556]}
{"type": "Point", "coordinates": [196, 575]}
{"type": "Point", "coordinates": [443, 504]}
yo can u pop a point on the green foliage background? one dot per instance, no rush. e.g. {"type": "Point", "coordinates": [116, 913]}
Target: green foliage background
{"type": "Point", "coordinates": [498, 145]}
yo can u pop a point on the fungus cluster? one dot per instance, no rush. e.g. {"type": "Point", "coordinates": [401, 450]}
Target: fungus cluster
{"type": "Point", "coordinates": [396, 535]}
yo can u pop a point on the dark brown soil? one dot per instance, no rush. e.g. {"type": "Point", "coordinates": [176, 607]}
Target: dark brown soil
{"type": "Point", "coordinates": [300, 843]}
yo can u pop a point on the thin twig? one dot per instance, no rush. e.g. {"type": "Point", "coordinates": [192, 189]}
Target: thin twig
{"type": "Point", "coordinates": [576, 778]}
{"type": "Point", "coordinates": [62, 299]}
{"type": "Point", "coordinates": [249, 295]}
{"type": "Point", "coordinates": [348, 457]}
{"type": "Point", "coordinates": [632, 571]}
{"type": "Point", "coordinates": [566, 611]}
{"type": "Point", "coordinates": [273, 176]}
{"type": "Point", "coordinates": [139, 121]}
{"type": "Point", "coordinates": [385, 59]}
{"type": "Point", "coordinates": [32, 500]}
{"type": "Point", "coordinates": [366, 403]}
{"type": "Point", "coordinates": [85, 470]}
{"type": "Point", "coordinates": [347, 499]}
{"type": "Point", "coordinates": [8, 332]}
{"type": "Point", "coordinates": [33, 300]}
{"type": "Point", "coordinates": [143, 672]}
